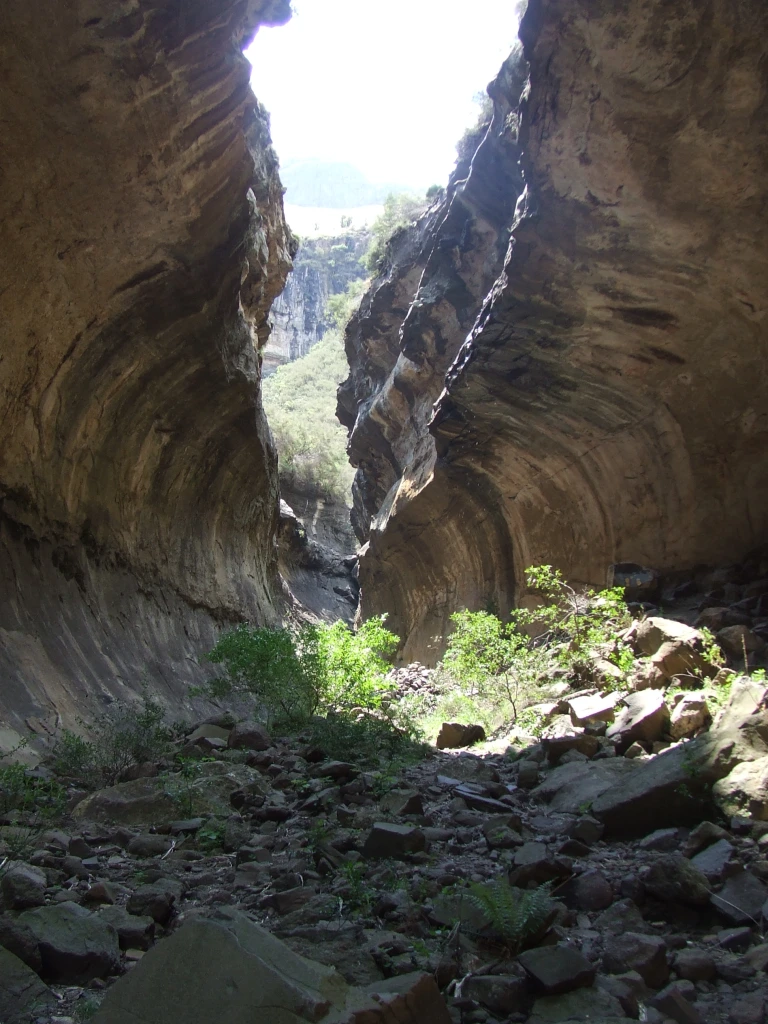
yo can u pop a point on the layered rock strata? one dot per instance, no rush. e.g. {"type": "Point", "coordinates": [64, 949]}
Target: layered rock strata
{"type": "Point", "coordinates": [609, 403]}
{"type": "Point", "coordinates": [143, 241]}
{"type": "Point", "coordinates": [322, 267]}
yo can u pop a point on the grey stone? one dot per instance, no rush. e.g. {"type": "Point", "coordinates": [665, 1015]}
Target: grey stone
{"type": "Point", "coordinates": [557, 969]}
{"type": "Point", "coordinates": [588, 891]}
{"type": "Point", "coordinates": [389, 840]}
{"type": "Point", "coordinates": [502, 994]}
{"type": "Point", "coordinates": [149, 845]}
{"type": "Point", "coordinates": [207, 731]}
{"type": "Point", "coordinates": [128, 803]}
{"type": "Point", "coordinates": [133, 931]}
{"type": "Point", "coordinates": [675, 1001]}
{"type": "Point", "coordinates": [735, 939]}
{"type": "Point", "coordinates": [534, 863]}
{"type": "Point", "coordinates": [714, 860]}
{"type": "Point", "coordinates": [249, 736]}
{"type": "Point", "coordinates": [623, 916]}
{"type": "Point", "coordinates": [156, 900]}
{"type": "Point", "coordinates": [744, 790]}
{"type": "Point", "coordinates": [595, 708]}
{"type": "Point", "coordinates": [19, 939]}
{"type": "Point", "coordinates": [75, 945]}
{"type": "Point", "coordinates": [581, 1005]}
{"type": "Point", "coordinates": [23, 996]}
{"type": "Point", "coordinates": [644, 718]}
{"type": "Point", "coordinates": [632, 951]}
{"type": "Point", "coordinates": [689, 716]}
{"type": "Point", "coordinates": [587, 830]}
{"type": "Point", "coordinates": [705, 834]}
{"type": "Point", "coordinates": [741, 899]}
{"type": "Point", "coordinates": [228, 968]}
{"type": "Point", "coordinates": [663, 839]}
{"type": "Point", "coordinates": [575, 788]}
{"type": "Point", "coordinates": [22, 886]}
{"type": "Point", "coordinates": [561, 736]}
{"type": "Point", "coordinates": [527, 774]}
{"type": "Point", "coordinates": [748, 1010]}
{"type": "Point", "coordinates": [695, 965]}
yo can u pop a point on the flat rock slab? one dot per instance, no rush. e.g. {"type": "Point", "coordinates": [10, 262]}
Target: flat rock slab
{"type": "Point", "coordinates": [645, 717]}
{"type": "Point", "coordinates": [227, 968]}
{"type": "Point", "coordinates": [557, 969]}
{"type": "Point", "coordinates": [575, 787]}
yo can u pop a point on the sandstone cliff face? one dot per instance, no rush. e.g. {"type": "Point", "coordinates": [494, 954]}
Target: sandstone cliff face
{"type": "Point", "coordinates": [609, 403]}
{"type": "Point", "coordinates": [322, 267]}
{"type": "Point", "coordinates": [143, 242]}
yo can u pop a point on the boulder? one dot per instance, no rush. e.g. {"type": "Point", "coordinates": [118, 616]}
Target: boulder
{"type": "Point", "coordinates": [23, 996]}
{"type": "Point", "coordinates": [670, 789]}
{"type": "Point", "coordinates": [583, 1004]}
{"type": "Point", "coordinates": [741, 899]}
{"type": "Point", "coordinates": [689, 716]}
{"type": "Point", "coordinates": [557, 969]}
{"type": "Point", "coordinates": [736, 639]}
{"type": "Point", "coordinates": [249, 736]}
{"type": "Point", "coordinates": [389, 840]}
{"type": "Point", "coordinates": [133, 931]}
{"type": "Point", "coordinates": [149, 845]}
{"type": "Point", "coordinates": [572, 788]}
{"type": "Point", "coordinates": [714, 861]}
{"type": "Point", "coordinates": [502, 994]}
{"type": "Point", "coordinates": [644, 717]}
{"type": "Point", "coordinates": [229, 968]}
{"type": "Point", "coordinates": [650, 634]}
{"type": "Point", "coordinates": [402, 801]}
{"type": "Point", "coordinates": [23, 886]}
{"type": "Point", "coordinates": [18, 938]}
{"type": "Point", "coordinates": [128, 803]}
{"type": "Point", "coordinates": [744, 790]}
{"type": "Point", "coordinates": [590, 710]}
{"type": "Point", "coordinates": [453, 735]}
{"type": "Point", "coordinates": [156, 900]}
{"type": "Point", "coordinates": [632, 951]}
{"type": "Point", "coordinates": [589, 891]}
{"type": "Point", "coordinates": [561, 735]}
{"type": "Point", "coordinates": [75, 945]}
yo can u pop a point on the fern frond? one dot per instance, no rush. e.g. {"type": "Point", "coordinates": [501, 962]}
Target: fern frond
{"type": "Point", "coordinates": [514, 915]}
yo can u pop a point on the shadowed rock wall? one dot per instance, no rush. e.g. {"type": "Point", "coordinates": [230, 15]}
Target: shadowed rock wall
{"type": "Point", "coordinates": [141, 244]}
{"type": "Point", "coordinates": [609, 403]}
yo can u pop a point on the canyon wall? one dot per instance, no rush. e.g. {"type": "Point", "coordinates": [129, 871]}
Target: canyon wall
{"type": "Point", "coordinates": [607, 400]}
{"type": "Point", "coordinates": [142, 243]}
{"type": "Point", "coordinates": [322, 267]}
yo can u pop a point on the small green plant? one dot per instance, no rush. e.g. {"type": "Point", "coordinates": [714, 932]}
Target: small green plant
{"type": "Point", "coordinates": [211, 836]}
{"type": "Point", "coordinates": [29, 797]}
{"type": "Point", "coordinates": [515, 916]}
{"type": "Point", "coordinates": [400, 210]}
{"type": "Point", "coordinates": [361, 895]}
{"type": "Point", "coordinates": [181, 785]}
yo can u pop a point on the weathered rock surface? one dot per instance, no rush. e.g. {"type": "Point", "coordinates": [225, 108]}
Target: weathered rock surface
{"type": "Point", "coordinates": [596, 413]}
{"type": "Point", "coordinates": [22, 995]}
{"type": "Point", "coordinates": [229, 968]}
{"type": "Point", "coordinates": [142, 243]}
{"type": "Point", "coordinates": [322, 267]}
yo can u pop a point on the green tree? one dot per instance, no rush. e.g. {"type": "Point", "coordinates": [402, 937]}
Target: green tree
{"type": "Point", "coordinates": [400, 209]}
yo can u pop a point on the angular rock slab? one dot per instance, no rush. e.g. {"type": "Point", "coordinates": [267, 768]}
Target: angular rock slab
{"type": "Point", "coordinates": [76, 945]}
{"type": "Point", "coordinates": [744, 790]}
{"type": "Point", "coordinates": [645, 717]}
{"type": "Point", "coordinates": [22, 995]}
{"type": "Point", "coordinates": [558, 969]}
{"type": "Point", "coordinates": [227, 968]}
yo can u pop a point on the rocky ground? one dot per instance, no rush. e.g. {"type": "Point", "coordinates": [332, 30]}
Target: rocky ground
{"type": "Point", "coordinates": [367, 872]}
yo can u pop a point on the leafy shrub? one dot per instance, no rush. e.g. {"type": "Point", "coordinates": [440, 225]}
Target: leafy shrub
{"type": "Point", "coordinates": [496, 662]}
{"type": "Point", "coordinates": [29, 796]}
{"type": "Point", "coordinates": [125, 736]}
{"type": "Point", "coordinates": [517, 917]}
{"type": "Point", "coordinates": [297, 672]}
{"type": "Point", "coordinates": [300, 403]}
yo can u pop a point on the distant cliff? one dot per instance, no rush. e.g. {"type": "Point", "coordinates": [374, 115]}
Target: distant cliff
{"type": "Point", "coordinates": [321, 268]}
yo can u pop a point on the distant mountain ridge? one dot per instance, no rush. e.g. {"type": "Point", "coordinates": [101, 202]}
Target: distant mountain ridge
{"type": "Point", "coordinates": [321, 183]}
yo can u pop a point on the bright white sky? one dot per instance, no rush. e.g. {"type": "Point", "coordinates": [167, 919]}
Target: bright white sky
{"type": "Point", "coordinates": [385, 86]}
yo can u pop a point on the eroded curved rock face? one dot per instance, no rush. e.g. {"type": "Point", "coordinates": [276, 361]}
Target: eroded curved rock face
{"type": "Point", "coordinates": [610, 401]}
{"type": "Point", "coordinates": [142, 243]}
